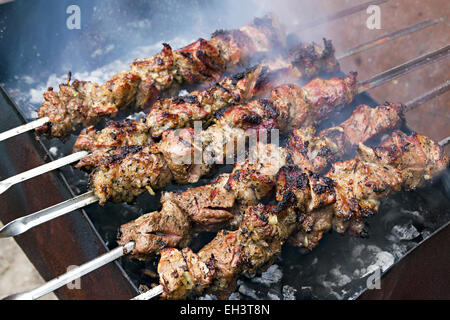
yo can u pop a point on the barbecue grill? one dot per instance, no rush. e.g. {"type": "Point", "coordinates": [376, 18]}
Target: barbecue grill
{"type": "Point", "coordinates": [404, 222]}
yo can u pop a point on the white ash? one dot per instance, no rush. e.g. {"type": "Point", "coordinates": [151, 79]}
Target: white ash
{"type": "Point", "coordinates": [137, 116]}
{"type": "Point", "coordinates": [405, 232]}
{"type": "Point", "coordinates": [272, 275]}
{"type": "Point", "coordinates": [249, 292]}
{"type": "Point", "coordinates": [53, 151]}
{"type": "Point", "coordinates": [183, 93]}
{"type": "Point", "coordinates": [289, 292]}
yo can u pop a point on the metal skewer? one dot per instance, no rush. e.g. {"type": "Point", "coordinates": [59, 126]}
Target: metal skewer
{"type": "Point", "coordinates": [368, 84]}
{"type": "Point", "coordinates": [388, 37]}
{"type": "Point", "coordinates": [8, 183]}
{"type": "Point", "coordinates": [12, 229]}
{"type": "Point", "coordinates": [20, 225]}
{"type": "Point", "coordinates": [24, 128]}
{"type": "Point", "coordinates": [73, 274]}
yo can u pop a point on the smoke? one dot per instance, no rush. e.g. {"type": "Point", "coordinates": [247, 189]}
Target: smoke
{"type": "Point", "coordinates": [113, 33]}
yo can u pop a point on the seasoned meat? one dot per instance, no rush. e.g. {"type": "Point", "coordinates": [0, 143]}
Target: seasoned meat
{"type": "Point", "coordinates": [315, 101]}
{"type": "Point", "coordinates": [130, 172]}
{"type": "Point", "coordinates": [103, 143]}
{"type": "Point", "coordinates": [318, 152]}
{"type": "Point", "coordinates": [206, 205]}
{"type": "Point", "coordinates": [257, 241]}
{"type": "Point", "coordinates": [401, 161]}
{"type": "Point", "coordinates": [182, 272]}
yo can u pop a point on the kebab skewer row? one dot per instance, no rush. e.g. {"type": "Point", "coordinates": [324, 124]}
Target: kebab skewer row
{"type": "Point", "coordinates": [370, 83]}
{"type": "Point", "coordinates": [301, 63]}
{"type": "Point", "coordinates": [123, 250]}
{"type": "Point", "coordinates": [136, 169]}
{"type": "Point", "coordinates": [221, 203]}
{"type": "Point", "coordinates": [317, 106]}
{"type": "Point", "coordinates": [23, 224]}
{"type": "Point", "coordinates": [92, 146]}
{"type": "Point", "coordinates": [350, 191]}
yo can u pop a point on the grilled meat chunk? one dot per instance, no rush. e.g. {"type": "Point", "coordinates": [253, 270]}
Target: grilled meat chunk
{"type": "Point", "coordinates": [104, 143]}
{"type": "Point", "coordinates": [307, 105]}
{"type": "Point", "coordinates": [318, 152]}
{"type": "Point", "coordinates": [182, 272]}
{"type": "Point", "coordinates": [156, 230]}
{"type": "Point", "coordinates": [130, 172]}
{"type": "Point", "coordinates": [257, 241]}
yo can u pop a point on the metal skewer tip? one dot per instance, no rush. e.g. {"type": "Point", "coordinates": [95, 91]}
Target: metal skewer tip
{"type": "Point", "coordinates": [150, 294]}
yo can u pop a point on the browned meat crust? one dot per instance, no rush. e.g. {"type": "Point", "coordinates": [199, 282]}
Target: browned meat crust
{"type": "Point", "coordinates": [85, 103]}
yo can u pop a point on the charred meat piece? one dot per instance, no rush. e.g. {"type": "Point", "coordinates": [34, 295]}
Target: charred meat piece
{"type": "Point", "coordinates": [257, 241]}
{"type": "Point", "coordinates": [156, 230]}
{"type": "Point", "coordinates": [130, 172]}
{"type": "Point", "coordinates": [315, 101]}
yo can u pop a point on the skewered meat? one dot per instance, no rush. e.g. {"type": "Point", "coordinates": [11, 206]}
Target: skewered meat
{"type": "Point", "coordinates": [85, 103]}
{"type": "Point", "coordinates": [401, 162]}
{"type": "Point", "coordinates": [203, 105]}
{"type": "Point", "coordinates": [237, 122]}
{"type": "Point", "coordinates": [265, 228]}
{"type": "Point", "coordinates": [221, 203]}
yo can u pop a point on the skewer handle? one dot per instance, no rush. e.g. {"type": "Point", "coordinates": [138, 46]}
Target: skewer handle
{"type": "Point", "coordinates": [73, 274]}
{"type": "Point", "coordinates": [23, 224]}
{"type": "Point", "coordinates": [24, 128]}
{"type": "Point", "coordinates": [8, 183]}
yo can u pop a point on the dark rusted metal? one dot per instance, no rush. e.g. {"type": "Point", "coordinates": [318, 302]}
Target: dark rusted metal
{"type": "Point", "coordinates": [422, 274]}
{"type": "Point", "coordinates": [66, 241]}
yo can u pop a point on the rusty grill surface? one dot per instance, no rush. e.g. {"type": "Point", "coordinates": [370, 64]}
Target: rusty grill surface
{"type": "Point", "coordinates": [337, 269]}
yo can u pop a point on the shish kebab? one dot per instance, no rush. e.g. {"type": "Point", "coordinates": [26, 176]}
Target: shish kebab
{"type": "Point", "coordinates": [351, 190]}
{"type": "Point", "coordinates": [21, 225]}
{"type": "Point", "coordinates": [121, 132]}
{"type": "Point", "coordinates": [221, 203]}
{"type": "Point", "coordinates": [127, 248]}
{"type": "Point", "coordinates": [299, 63]}
{"type": "Point", "coordinates": [302, 62]}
